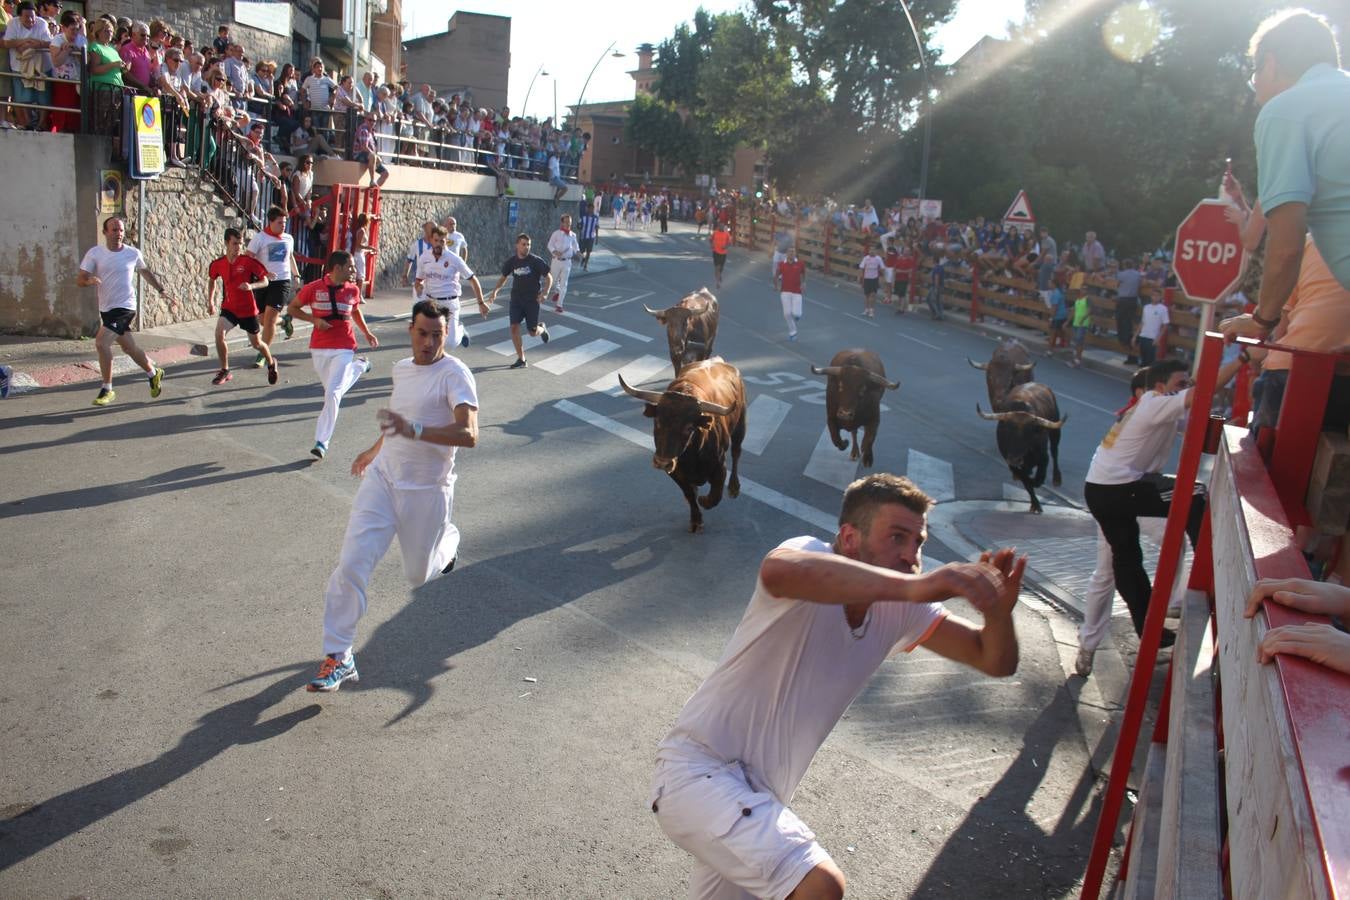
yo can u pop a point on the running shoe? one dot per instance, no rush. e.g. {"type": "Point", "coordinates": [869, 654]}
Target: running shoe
{"type": "Point", "coordinates": [222, 376]}
{"type": "Point", "coordinates": [259, 361]}
{"type": "Point", "coordinates": [156, 381]}
{"type": "Point", "coordinates": [365, 364]}
{"type": "Point", "coordinates": [272, 373]}
{"type": "Point", "coordinates": [464, 341]}
{"type": "Point", "coordinates": [1082, 665]}
{"type": "Point", "coordinates": [792, 337]}
{"type": "Point", "coordinates": [105, 396]}
{"type": "Point", "coordinates": [519, 364]}
{"type": "Point", "coordinates": [320, 450]}
{"type": "Point", "coordinates": [287, 326]}
{"type": "Point", "coordinates": [543, 333]}
{"type": "Point", "coordinates": [450, 566]}
{"type": "Point", "coordinates": [332, 672]}
{"type": "Point", "coordinates": [5, 373]}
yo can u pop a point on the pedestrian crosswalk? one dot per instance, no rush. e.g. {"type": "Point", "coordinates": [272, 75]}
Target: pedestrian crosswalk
{"type": "Point", "coordinates": [781, 403]}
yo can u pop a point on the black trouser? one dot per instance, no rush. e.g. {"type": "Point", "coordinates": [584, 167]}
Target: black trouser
{"type": "Point", "coordinates": [1148, 351]}
{"type": "Point", "coordinates": [1126, 309]}
{"type": "Point", "coordinates": [1117, 508]}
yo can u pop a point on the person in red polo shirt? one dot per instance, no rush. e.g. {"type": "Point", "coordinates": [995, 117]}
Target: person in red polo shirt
{"type": "Point", "coordinates": [240, 276]}
{"type": "Point", "coordinates": [905, 264]}
{"type": "Point", "coordinates": [791, 275]}
{"type": "Point", "coordinates": [334, 302]}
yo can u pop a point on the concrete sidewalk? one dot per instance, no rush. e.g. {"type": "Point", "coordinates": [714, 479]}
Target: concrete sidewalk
{"type": "Point", "coordinates": [41, 362]}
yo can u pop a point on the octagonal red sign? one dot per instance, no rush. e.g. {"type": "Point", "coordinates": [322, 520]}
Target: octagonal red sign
{"type": "Point", "coordinates": [1208, 254]}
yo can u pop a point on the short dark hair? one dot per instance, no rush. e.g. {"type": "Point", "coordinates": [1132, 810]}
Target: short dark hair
{"type": "Point", "coordinates": [337, 258]}
{"type": "Point", "coordinates": [1139, 381]}
{"type": "Point", "coordinates": [115, 218]}
{"type": "Point", "coordinates": [24, 7]}
{"type": "Point", "coordinates": [69, 17]}
{"type": "Point", "coordinates": [233, 233]}
{"type": "Point", "coordinates": [432, 309]}
{"type": "Point", "coordinates": [864, 496]}
{"type": "Point", "coordinates": [1160, 371]}
{"type": "Point", "coordinates": [522, 237]}
{"type": "Point", "coordinates": [1299, 39]}
{"type": "Point", "coordinates": [275, 212]}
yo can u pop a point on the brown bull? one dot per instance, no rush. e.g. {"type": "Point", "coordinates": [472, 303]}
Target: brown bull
{"type": "Point", "coordinates": [1028, 423]}
{"type": "Point", "coordinates": [856, 379]}
{"type": "Point", "coordinates": [698, 417]}
{"type": "Point", "coordinates": [691, 327]}
{"type": "Point", "coordinates": [1010, 365]}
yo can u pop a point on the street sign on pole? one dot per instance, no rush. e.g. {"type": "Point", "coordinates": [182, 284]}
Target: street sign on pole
{"type": "Point", "coordinates": [1019, 215]}
{"type": "Point", "coordinates": [1208, 256]}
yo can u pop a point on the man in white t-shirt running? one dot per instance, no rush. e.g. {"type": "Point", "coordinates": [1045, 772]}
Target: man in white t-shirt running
{"type": "Point", "coordinates": [415, 251]}
{"type": "Point", "coordinates": [440, 276]}
{"type": "Point", "coordinates": [1124, 480]}
{"type": "Point", "coordinates": [562, 247]}
{"type": "Point", "coordinates": [112, 268]}
{"type": "Point", "coordinates": [408, 486]}
{"type": "Point", "coordinates": [869, 276]}
{"type": "Point", "coordinates": [275, 249]}
{"type": "Point", "coordinates": [821, 621]}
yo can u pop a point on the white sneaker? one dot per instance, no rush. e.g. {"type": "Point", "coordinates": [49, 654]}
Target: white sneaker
{"type": "Point", "coordinates": [1082, 665]}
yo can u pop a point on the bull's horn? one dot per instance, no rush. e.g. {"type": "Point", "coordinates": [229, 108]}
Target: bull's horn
{"type": "Point", "coordinates": [656, 312]}
{"type": "Point", "coordinates": [646, 396]}
{"type": "Point", "coordinates": [975, 365]}
{"type": "Point", "coordinates": [1024, 367]}
{"type": "Point", "coordinates": [1055, 426]}
{"type": "Point", "coordinates": [881, 380]}
{"type": "Point", "coordinates": [996, 417]}
{"type": "Point", "coordinates": [713, 409]}
{"type": "Point", "coordinates": [832, 371]}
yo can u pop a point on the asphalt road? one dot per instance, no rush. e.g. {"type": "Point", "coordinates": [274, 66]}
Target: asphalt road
{"type": "Point", "coordinates": [165, 562]}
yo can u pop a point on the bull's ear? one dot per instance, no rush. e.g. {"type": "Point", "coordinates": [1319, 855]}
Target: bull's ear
{"type": "Point", "coordinates": [661, 317]}
{"type": "Point", "coordinates": [649, 410]}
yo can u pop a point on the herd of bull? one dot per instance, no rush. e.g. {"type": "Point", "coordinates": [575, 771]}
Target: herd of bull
{"type": "Point", "coordinates": [701, 415]}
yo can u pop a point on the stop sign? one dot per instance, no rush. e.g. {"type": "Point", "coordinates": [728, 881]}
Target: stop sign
{"type": "Point", "coordinates": [1208, 258]}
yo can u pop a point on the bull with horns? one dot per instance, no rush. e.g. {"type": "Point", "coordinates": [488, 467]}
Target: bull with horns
{"type": "Point", "coordinates": [1010, 365]}
{"type": "Point", "coordinates": [855, 380]}
{"type": "Point", "coordinates": [691, 327]}
{"type": "Point", "coordinates": [1028, 435]}
{"type": "Point", "coordinates": [696, 420]}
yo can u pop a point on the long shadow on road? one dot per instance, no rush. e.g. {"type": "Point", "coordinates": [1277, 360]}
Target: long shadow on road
{"type": "Point", "coordinates": [45, 824]}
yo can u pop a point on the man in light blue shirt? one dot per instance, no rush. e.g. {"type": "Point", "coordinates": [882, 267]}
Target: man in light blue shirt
{"type": "Point", "coordinates": [1302, 156]}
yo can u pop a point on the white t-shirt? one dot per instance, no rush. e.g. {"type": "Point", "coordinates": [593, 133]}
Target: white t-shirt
{"type": "Point", "coordinates": [1151, 320]}
{"type": "Point", "coordinates": [429, 395]}
{"type": "Point", "coordinates": [456, 242]}
{"type": "Point", "coordinates": [440, 277]}
{"type": "Point", "coordinates": [71, 67]}
{"type": "Point", "coordinates": [789, 672]}
{"type": "Point", "coordinates": [15, 31]}
{"type": "Point", "coordinates": [115, 271]}
{"type": "Point", "coordinates": [871, 266]}
{"type": "Point", "coordinates": [564, 242]}
{"type": "Point", "coordinates": [415, 251]}
{"type": "Point", "coordinates": [274, 253]}
{"type": "Point", "coordinates": [1141, 441]}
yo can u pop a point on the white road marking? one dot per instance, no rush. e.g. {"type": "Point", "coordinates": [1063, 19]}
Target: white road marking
{"type": "Point", "coordinates": [608, 327]}
{"type": "Point", "coordinates": [530, 343]}
{"type": "Point", "coordinates": [828, 524]}
{"type": "Point", "coordinates": [862, 320]}
{"type": "Point", "coordinates": [629, 300]}
{"type": "Point", "coordinates": [933, 475]}
{"type": "Point", "coordinates": [917, 341]}
{"type": "Point", "coordinates": [635, 373]}
{"type": "Point", "coordinates": [1099, 409]}
{"type": "Point", "coordinates": [577, 356]}
{"type": "Point", "coordinates": [830, 465]}
{"type": "Point", "coordinates": [481, 327]}
{"type": "Point", "coordinates": [761, 422]}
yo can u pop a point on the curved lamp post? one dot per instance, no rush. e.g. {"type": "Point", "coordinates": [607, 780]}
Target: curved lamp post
{"type": "Point", "coordinates": [928, 104]}
{"type": "Point", "coordinates": [616, 55]}
{"type": "Point", "coordinates": [524, 107]}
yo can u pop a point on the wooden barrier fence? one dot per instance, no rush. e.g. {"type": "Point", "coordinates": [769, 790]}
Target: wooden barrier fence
{"type": "Point", "coordinates": [1009, 300]}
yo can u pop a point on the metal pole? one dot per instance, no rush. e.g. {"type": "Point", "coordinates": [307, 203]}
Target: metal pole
{"type": "Point", "coordinates": [140, 240]}
{"type": "Point", "coordinates": [526, 105]}
{"type": "Point", "coordinates": [928, 104]}
{"type": "Point", "coordinates": [577, 108]}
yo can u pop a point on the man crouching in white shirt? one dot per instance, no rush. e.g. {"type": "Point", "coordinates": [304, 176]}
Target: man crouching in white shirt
{"type": "Point", "coordinates": [562, 246]}
{"type": "Point", "coordinates": [821, 621]}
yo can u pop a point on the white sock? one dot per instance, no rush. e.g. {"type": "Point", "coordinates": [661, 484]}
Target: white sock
{"type": "Point", "coordinates": [151, 363]}
{"type": "Point", "coordinates": [107, 385]}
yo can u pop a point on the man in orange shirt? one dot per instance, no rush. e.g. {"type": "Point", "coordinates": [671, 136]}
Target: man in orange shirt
{"type": "Point", "coordinates": [721, 241]}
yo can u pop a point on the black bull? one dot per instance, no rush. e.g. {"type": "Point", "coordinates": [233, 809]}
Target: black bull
{"type": "Point", "coordinates": [856, 379]}
{"type": "Point", "coordinates": [697, 418]}
{"type": "Point", "coordinates": [691, 327]}
{"type": "Point", "coordinates": [1028, 435]}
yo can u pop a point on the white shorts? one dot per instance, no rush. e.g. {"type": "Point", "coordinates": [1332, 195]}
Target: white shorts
{"type": "Point", "coordinates": [888, 275]}
{"type": "Point", "coordinates": [747, 843]}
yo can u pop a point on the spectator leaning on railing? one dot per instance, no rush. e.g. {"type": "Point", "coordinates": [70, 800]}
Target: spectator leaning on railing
{"type": "Point", "coordinates": [67, 55]}
{"type": "Point", "coordinates": [26, 37]}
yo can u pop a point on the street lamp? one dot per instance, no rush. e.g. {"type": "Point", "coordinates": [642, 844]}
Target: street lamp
{"type": "Point", "coordinates": [526, 105]}
{"type": "Point", "coordinates": [616, 55]}
{"type": "Point", "coordinates": [928, 103]}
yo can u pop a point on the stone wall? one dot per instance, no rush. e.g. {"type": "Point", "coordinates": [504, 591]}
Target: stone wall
{"type": "Point", "coordinates": [198, 20]}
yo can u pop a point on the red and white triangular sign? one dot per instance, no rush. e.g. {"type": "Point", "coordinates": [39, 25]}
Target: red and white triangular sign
{"type": "Point", "coordinates": [1020, 211]}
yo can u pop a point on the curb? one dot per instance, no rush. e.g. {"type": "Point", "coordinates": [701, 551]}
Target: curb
{"type": "Point", "coordinates": [87, 370]}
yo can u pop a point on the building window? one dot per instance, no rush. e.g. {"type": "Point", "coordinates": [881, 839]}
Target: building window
{"type": "Point", "coordinates": [301, 50]}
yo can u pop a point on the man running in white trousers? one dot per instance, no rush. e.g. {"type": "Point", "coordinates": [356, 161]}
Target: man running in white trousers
{"type": "Point", "coordinates": [822, 620]}
{"type": "Point", "coordinates": [790, 278]}
{"type": "Point", "coordinates": [112, 269]}
{"type": "Point", "coordinates": [440, 271]}
{"type": "Point", "coordinates": [407, 487]}
{"type": "Point", "coordinates": [335, 307]}
{"type": "Point", "coordinates": [562, 246]}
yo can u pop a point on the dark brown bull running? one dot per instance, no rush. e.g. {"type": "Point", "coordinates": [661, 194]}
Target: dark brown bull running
{"type": "Point", "coordinates": [1010, 366]}
{"type": "Point", "coordinates": [856, 379]}
{"type": "Point", "coordinates": [697, 418]}
{"type": "Point", "coordinates": [1029, 422]}
{"type": "Point", "coordinates": [691, 327]}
